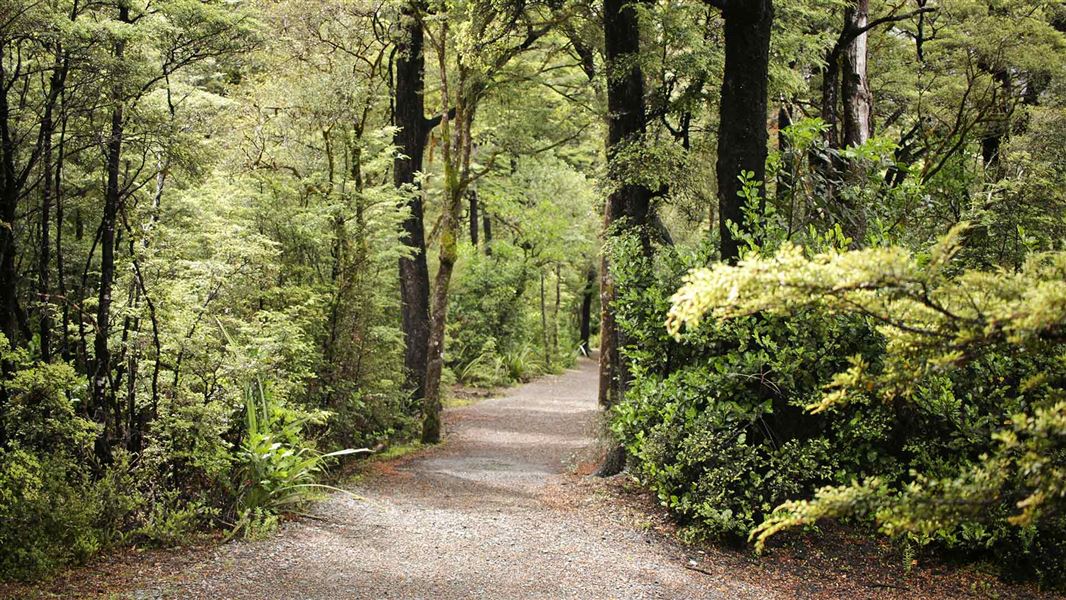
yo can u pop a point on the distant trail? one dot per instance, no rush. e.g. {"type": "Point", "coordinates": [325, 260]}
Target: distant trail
{"type": "Point", "coordinates": [480, 517]}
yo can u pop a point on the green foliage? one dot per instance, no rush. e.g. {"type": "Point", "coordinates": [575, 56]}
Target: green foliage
{"type": "Point", "coordinates": [715, 421]}
{"type": "Point", "coordinates": [276, 470]}
{"type": "Point", "coordinates": [972, 365]}
{"type": "Point", "coordinates": [511, 306]}
{"type": "Point", "coordinates": [489, 321]}
{"type": "Point", "coordinates": [53, 511]}
{"type": "Point", "coordinates": [910, 384]}
{"type": "Point", "coordinates": [53, 507]}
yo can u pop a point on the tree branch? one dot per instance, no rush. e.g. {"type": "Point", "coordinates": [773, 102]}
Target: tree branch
{"type": "Point", "coordinates": [850, 34]}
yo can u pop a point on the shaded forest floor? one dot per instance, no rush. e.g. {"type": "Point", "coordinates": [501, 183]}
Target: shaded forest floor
{"type": "Point", "coordinates": [505, 509]}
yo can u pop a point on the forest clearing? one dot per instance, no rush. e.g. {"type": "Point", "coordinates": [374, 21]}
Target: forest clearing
{"type": "Point", "coordinates": [532, 298]}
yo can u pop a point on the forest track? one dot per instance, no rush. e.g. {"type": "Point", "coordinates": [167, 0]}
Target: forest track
{"type": "Point", "coordinates": [495, 512]}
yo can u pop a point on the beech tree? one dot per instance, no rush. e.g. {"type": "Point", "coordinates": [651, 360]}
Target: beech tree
{"type": "Point", "coordinates": [412, 130]}
{"type": "Point", "coordinates": [742, 135]}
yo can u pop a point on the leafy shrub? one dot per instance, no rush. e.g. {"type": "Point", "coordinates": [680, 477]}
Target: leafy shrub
{"type": "Point", "coordinates": [170, 519]}
{"type": "Point", "coordinates": [972, 369]}
{"type": "Point", "coordinates": [487, 310]}
{"type": "Point", "coordinates": [53, 508]}
{"type": "Point", "coordinates": [715, 419]}
{"type": "Point", "coordinates": [277, 471]}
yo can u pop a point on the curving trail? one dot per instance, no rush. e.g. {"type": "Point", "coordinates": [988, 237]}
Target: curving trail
{"type": "Point", "coordinates": [490, 514]}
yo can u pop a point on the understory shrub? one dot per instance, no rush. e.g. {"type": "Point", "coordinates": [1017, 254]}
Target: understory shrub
{"type": "Point", "coordinates": [882, 386]}
{"type": "Point", "coordinates": [715, 419]}
{"type": "Point", "coordinates": [277, 470]}
{"type": "Point", "coordinates": [57, 504]}
{"type": "Point", "coordinates": [225, 459]}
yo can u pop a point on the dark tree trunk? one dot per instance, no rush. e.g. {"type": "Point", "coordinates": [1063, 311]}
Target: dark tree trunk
{"type": "Point", "coordinates": [112, 198]}
{"type": "Point", "coordinates": [742, 135]}
{"type": "Point", "coordinates": [545, 336]}
{"type": "Point", "coordinates": [628, 205]}
{"type": "Point", "coordinates": [585, 318]}
{"type": "Point", "coordinates": [410, 139]}
{"type": "Point", "coordinates": [831, 97]}
{"type": "Point", "coordinates": [919, 32]}
{"type": "Point", "coordinates": [998, 127]}
{"type": "Point", "coordinates": [557, 308]}
{"type": "Point", "coordinates": [49, 189]}
{"type": "Point", "coordinates": [990, 146]}
{"type": "Point", "coordinates": [787, 176]}
{"type": "Point", "coordinates": [45, 256]}
{"type": "Point", "coordinates": [61, 284]}
{"type": "Point", "coordinates": [486, 225]}
{"type": "Point", "coordinates": [472, 196]}
{"type": "Point", "coordinates": [12, 319]}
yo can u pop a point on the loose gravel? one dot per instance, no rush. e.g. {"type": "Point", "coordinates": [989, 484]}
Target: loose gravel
{"type": "Point", "coordinates": [478, 517]}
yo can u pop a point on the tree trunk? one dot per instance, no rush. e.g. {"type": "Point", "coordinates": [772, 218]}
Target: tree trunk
{"type": "Point", "coordinates": [998, 127]}
{"type": "Point", "coordinates": [857, 108]}
{"type": "Point", "coordinates": [61, 284]}
{"type": "Point", "coordinates": [486, 224]}
{"type": "Point", "coordinates": [431, 407]}
{"type": "Point", "coordinates": [856, 100]}
{"type": "Point", "coordinates": [112, 198]}
{"type": "Point", "coordinates": [585, 318]}
{"type": "Point", "coordinates": [45, 256]}
{"type": "Point", "coordinates": [456, 147]}
{"type": "Point", "coordinates": [472, 195]}
{"type": "Point", "coordinates": [12, 319]}
{"type": "Point", "coordinates": [742, 135]}
{"type": "Point", "coordinates": [628, 205]}
{"type": "Point", "coordinates": [410, 139]}
{"type": "Point", "coordinates": [48, 193]}
{"type": "Point", "coordinates": [786, 177]}
{"type": "Point", "coordinates": [557, 308]}
{"type": "Point", "coordinates": [546, 338]}
{"type": "Point", "coordinates": [449, 254]}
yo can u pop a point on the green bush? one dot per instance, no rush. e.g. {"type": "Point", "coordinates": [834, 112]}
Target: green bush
{"type": "Point", "coordinates": [495, 336]}
{"type": "Point", "coordinates": [488, 321]}
{"type": "Point", "coordinates": [715, 420]}
{"type": "Point", "coordinates": [878, 385]}
{"type": "Point", "coordinates": [276, 469]}
{"type": "Point", "coordinates": [56, 504]}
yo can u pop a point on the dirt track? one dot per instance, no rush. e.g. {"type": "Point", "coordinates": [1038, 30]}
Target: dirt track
{"type": "Point", "coordinates": [478, 517]}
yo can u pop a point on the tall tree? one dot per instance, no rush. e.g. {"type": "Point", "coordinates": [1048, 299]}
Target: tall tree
{"type": "Point", "coordinates": [412, 128]}
{"type": "Point", "coordinates": [112, 197]}
{"type": "Point", "coordinates": [742, 133]}
{"type": "Point", "coordinates": [25, 119]}
{"type": "Point", "coordinates": [629, 203]}
{"type": "Point", "coordinates": [479, 62]}
{"type": "Point", "coordinates": [473, 215]}
{"type": "Point", "coordinates": [49, 189]}
{"type": "Point", "coordinates": [847, 105]}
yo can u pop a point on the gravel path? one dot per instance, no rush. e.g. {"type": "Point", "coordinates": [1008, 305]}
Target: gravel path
{"type": "Point", "coordinates": [485, 515]}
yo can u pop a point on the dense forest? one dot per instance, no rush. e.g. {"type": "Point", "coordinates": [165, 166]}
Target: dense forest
{"type": "Point", "coordinates": [816, 245]}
